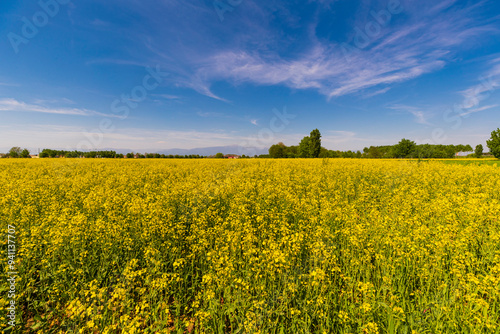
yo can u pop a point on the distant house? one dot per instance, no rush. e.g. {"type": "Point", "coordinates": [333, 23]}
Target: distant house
{"type": "Point", "coordinates": [232, 156]}
{"type": "Point", "coordinates": [463, 154]}
{"type": "Point", "coordinates": [34, 156]}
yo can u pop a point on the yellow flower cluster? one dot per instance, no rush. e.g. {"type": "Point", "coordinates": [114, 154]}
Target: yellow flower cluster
{"type": "Point", "coordinates": [254, 246]}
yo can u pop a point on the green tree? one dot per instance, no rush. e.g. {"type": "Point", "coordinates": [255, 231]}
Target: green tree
{"type": "Point", "coordinates": [25, 154]}
{"type": "Point", "coordinates": [334, 154]}
{"type": "Point", "coordinates": [479, 151]}
{"type": "Point", "coordinates": [304, 148]}
{"type": "Point", "coordinates": [372, 152]}
{"type": "Point", "coordinates": [405, 148]}
{"type": "Point", "coordinates": [323, 153]}
{"type": "Point", "coordinates": [494, 143]}
{"type": "Point", "coordinates": [315, 143]}
{"type": "Point", "coordinates": [15, 152]}
{"type": "Point", "coordinates": [277, 151]}
{"type": "Point", "coordinates": [292, 151]}
{"type": "Point", "coordinates": [71, 154]}
{"type": "Point", "coordinates": [219, 156]}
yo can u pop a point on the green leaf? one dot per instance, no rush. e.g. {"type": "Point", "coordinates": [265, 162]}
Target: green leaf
{"type": "Point", "coordinates": [36, 326]}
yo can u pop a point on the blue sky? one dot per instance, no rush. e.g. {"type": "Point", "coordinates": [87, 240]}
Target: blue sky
{"type": "Point", "coordinates": [184, 74]}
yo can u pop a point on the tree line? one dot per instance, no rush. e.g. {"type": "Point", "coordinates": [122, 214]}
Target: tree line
{"type": "Point", "coordinates": [409, 149]}
{"type": "Point", "coordinates": [17, 152]}
{"type": "Point", "coordinates": [310, 147]}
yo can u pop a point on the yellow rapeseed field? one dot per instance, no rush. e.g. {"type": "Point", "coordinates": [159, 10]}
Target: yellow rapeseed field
{"type": "Point", "coordinates": [252, 246]}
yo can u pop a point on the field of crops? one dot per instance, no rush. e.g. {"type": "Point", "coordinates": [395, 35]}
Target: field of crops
{"type": "Point", "coordinates": [252, 246]}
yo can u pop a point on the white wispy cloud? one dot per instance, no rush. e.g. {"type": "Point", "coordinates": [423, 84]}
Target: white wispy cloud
{"type": "Point", "coordinates": [377, 92]}
{"type": "Point", "coordinates": [471, 111]}
{"type": "Point", "coordinates": [54, 101]}
{"type": "Point", "coordinates": [9, 104]}
{"type": "Point", "coordinates": [254, 121]}
{"type": "Point", "coordinates": [473, 96]}
{"type": "Point", "coordinates": [471, 102]}
{"type": "Point", "coordinates": [423, 44]}
{"type": "Point", "coordinates": [167, 96]}
{"type": "Point", "coordinates": [250, 48]}
{"type": "Point", "coordinates": [420, 116]}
